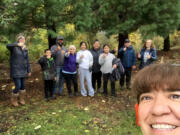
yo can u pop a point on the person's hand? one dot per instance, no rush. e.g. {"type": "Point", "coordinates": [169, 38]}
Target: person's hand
{"type": "Point", "coordinates": [58, 48]}
{"type": "Point", "coordinates": [54, 78]}
{"type": "Point", "coordinates": [149, 56]}
{"type": "Point", "coordinates": [82, 56]}
{"type": "Point", "coordinates": [133, 67]}
{"type": "Point", "coordinates": [63, 52]}
{"type": "Point", "coordinates": [125, 49]}
{"type": "Point", "coordinates": [114, 66]}
{"type": "Point", "coordinates": [20, 44]}
{"type": "Point", "coordinates": [48, 56]}
{"type": "Point", "coordinates": [29, 74]}
{"type": "Point", "coordinates": [139, 55]}
{"type": "Point", "coordinates": [104, 55]}
{"type": "Point", "coordinates": [68, 53]}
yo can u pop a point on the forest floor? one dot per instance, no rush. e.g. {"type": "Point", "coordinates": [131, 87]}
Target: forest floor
{"type": "Point", "coordinates": [99, 115]}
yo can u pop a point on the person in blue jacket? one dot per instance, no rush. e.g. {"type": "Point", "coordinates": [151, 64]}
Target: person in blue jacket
{"type": "Point", "coordinates": [19, 69]}
{"type": "Point", "coordinates": [128, 58]}
{"type": "Point", "coordinates": [147, 54]}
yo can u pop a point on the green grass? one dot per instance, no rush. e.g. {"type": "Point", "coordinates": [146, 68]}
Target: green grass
{"type": "Point", "coordinates": [67, 117]}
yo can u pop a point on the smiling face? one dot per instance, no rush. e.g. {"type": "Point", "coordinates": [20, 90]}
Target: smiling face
{"type": "Point", "coordinates": [159, 112]}
{"type": "Point", "coordinates": [158, 95]}
{"type": "Point", "coordinates": [72, 50]}
{"type": "Point", "coordinates": [106, 49]}
{"type": "Point", "coordinates": [148, 44]}
{"type": "Point", "coordinates": [48, 53]}
{"type": "Point", "coordinates": [96, 45]}
{"type": "Point", "coordinates": [127, 44]}
{"type": "Point", "coordinates": [22, 40]}
{"type": "Point", "coordinates": [83, 46]}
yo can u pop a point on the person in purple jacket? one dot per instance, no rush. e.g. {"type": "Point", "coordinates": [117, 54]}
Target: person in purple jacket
{"type": "Point", "coordinates": [69, 70]}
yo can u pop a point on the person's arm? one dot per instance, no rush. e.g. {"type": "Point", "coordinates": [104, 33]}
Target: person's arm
{"type": "Point", "coordinates": [53, 50]}
{"type": "Point", "coordinates": [11, 46]}
{"type": "Point", "coordinates": [101, 59]}
{"type": "Point", "coordinates": [91, 59]}
{"type": "Point", "coordinates": [66, 55]}
{"type": "Point", "coordinates": [78, 59]}
{"type": "Point", "coordinates": [41, 60]}
{"type": "Point", "coordinates": [154, 55]}
{"type": "Point", "coordinates": [121, 51]}
{"type": "Point", "coordinates": [140, 55]}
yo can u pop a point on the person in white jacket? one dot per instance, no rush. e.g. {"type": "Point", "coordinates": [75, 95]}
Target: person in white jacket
{"type": "Point", "coordinates": [85, 60]}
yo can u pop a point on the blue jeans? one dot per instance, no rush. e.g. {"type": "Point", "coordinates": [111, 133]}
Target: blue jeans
{"type": "Point", "coordinates": [59, 80]}
{"type": "Point", "coordinates": [19, 84]}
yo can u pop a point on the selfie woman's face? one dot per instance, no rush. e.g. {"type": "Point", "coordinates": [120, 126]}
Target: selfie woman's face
{"type": "Point", "coordinates": [159, 112]}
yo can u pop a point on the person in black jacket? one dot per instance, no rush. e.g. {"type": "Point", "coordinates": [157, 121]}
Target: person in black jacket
{"type": "Point", "coordinates": [96, 73]}
{"type": "Point", "coordinates": [49, 73]}
{"type": "Point", "coordinates": [19, 69]}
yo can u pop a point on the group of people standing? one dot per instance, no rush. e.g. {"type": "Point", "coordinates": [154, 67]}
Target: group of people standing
{"type": "Point", "coordinates": [91, 66]}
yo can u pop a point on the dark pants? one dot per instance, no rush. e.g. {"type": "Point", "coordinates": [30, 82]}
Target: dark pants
{"type": "Point", "coordinates": [19, 84]}
{"type": "Point", "coordinates": [71, 78]}
{"type": "Point", "coordinates": [127, 73]}
{"type": "Point", "coordinates": [48, 88]}
{"type": "Point", "coordinates": [107, 77]}
{"type": "Point", "coordinates": [96, 77]}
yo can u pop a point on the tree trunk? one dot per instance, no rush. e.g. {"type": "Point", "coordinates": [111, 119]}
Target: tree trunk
{"type": "Point", "coordinates": [167, 44]}
{"type": "Point", "coordinates": [51, 39]}
{"type": "Point", "coordinates": [121, 38]}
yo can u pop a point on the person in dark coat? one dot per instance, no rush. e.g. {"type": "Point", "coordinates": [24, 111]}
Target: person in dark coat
{"type": "Point", "coordinates": [49, 73]}
{"type": "Point", "coordinates": [19, 69]}
{"type": "Point", "coordinates": [96, 73]}
{"type": "Point", "coordinates": [128, 59]}
{"type": "Point", "coordinates": [58, 50]}
{"type": "Point", "coordinates": [147, 54]}
{"type": "Point", "coordinates": [69, 70]}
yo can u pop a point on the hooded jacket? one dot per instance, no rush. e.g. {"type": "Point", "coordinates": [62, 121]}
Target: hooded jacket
{"type": "Point", "coordinates": [19, 61]}
{"type": "Point", "coordinates": [58, 56]}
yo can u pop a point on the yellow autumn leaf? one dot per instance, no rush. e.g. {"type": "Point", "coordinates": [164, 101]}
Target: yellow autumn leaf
{"type": "Point", "coordinates": [86, 131]}
{"type": "Point", "coordinates": [13, 87]}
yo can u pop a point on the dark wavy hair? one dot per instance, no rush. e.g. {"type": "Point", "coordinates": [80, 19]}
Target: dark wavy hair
{"type": "Point", "coordinates": [83, 42]}
{"type": "Point", "coordinates": [106, 45]}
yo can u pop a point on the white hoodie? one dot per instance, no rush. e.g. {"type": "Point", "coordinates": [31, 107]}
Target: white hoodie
{"type": "Point", "coordinates": [87, 61]}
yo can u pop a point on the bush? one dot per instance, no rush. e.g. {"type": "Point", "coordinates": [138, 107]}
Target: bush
{"type": "Point", "coordinates": [4, 55]}
{"type": "Point", "coordinates": [36, 51]}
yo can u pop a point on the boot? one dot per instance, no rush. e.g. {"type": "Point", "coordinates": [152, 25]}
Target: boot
{"type": "Point", "coordinates": [14, 98]}
{"type": "Point", "coordinates": [22, 94]}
